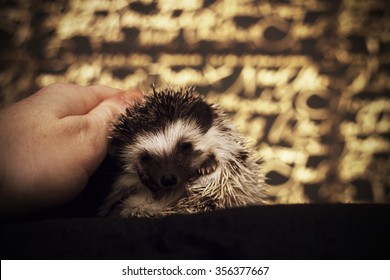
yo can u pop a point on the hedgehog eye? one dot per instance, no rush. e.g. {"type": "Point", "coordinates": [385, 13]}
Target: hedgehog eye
{"type": "Point", "coordinates": [145, 157]}
{"type": "Point", "coordinates": [185, 146]}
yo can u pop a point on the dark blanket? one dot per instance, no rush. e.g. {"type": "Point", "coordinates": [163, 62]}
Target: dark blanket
{"type": "Point", "coordinates": [329, 231]}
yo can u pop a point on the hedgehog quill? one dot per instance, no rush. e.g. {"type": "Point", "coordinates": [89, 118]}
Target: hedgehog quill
{"type": "Point", "coordinates": [180, 154]}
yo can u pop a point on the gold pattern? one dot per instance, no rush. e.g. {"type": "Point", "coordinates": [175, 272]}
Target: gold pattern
{"type": "Point", "coordinates": [306, 81]}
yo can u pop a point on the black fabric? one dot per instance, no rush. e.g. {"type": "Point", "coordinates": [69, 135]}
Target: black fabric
{"type": "Point", "coordinates": [329, 231]}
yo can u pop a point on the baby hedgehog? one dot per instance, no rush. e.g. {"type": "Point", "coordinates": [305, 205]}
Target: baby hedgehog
{"type": "Point", "coordinates": [179, 154]}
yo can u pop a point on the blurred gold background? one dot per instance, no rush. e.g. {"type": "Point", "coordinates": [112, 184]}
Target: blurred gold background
{"type": "Point", "coordinates": [306, 81]}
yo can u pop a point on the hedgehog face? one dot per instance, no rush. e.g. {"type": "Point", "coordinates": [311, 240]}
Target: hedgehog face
{"type": "Point", "coordinates": [167, 160]}
{"type": "Point", "coordinates": [164, 174]}
{"type": "Point", "coordinates": [164, 141]}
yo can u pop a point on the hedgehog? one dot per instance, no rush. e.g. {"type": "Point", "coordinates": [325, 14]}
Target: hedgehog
{"type": "Point", "coordinates": [180, 154]}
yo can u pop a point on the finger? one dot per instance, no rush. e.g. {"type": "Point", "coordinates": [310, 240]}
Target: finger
{"type": "Point", "coordinates": [93, 128]}
{"type": "Point", "coordinates": [83, 101]}
{"type": "Point", "coordinates": [109, 109]}
{"type": "Point", "coordinates": [70, 99]}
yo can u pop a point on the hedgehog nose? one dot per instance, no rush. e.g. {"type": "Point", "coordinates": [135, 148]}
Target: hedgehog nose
{"type": "Point", "coordinates": [168, 180]}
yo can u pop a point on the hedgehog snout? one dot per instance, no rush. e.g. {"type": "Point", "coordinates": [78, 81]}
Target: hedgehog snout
{"type": "Point", "coordinates": [162, 176]}
{"type": "Point", "coordinates": [168, 180]}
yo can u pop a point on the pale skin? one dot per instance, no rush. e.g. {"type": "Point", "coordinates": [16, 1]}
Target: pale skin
{"type": "Point", "coordinates": [53, 141]}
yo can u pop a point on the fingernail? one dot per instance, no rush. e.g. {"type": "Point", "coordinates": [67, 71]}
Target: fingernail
{"type": "Point", "coordinates": [136, 94]}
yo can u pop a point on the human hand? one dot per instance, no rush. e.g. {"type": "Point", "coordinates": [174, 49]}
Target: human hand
{"type": "Point", "coordinates": [52, 141]}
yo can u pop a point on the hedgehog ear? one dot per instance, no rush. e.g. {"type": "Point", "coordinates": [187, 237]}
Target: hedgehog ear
{"type": "Point", "coordinates": [203, 114]}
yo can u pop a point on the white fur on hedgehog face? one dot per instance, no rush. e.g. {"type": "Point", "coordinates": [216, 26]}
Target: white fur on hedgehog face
{"type": "Point", "coordinates": [163, 144]}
